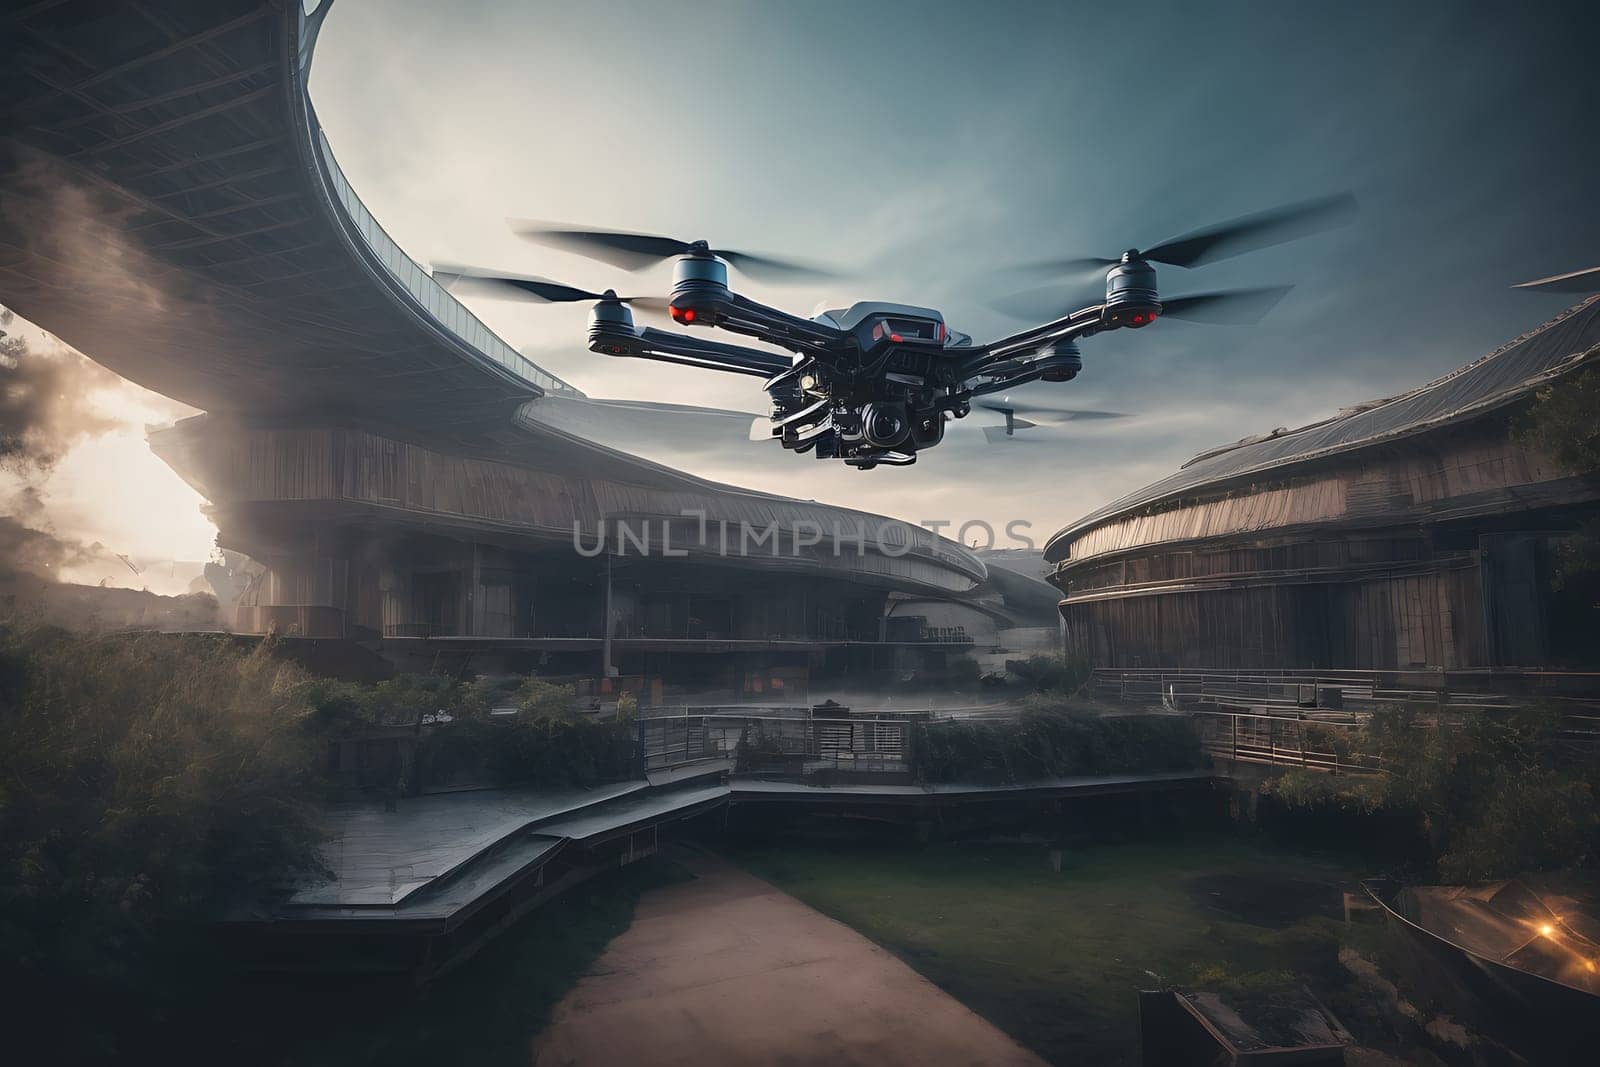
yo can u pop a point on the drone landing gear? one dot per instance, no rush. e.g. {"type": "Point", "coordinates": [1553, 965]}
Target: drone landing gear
{"type": "Point", "coordinates": [888, 459]}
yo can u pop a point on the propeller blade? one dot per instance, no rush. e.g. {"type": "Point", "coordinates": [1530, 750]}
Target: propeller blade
{"type": "Point", "coordinates": [1043, 304]}
{"type": "Point", "coordinates": [1230, 307]}
{"type": "Point", "coordinates": [635, 251]}
{"type": "Point", "coordinates": [769, 268]}
{"type": "Point", "coordinates": [1080, 264]}
{"type": "Point", "coordinates": [629, 251]}
{"type": "Point", "coordinates": [1027, 408]}
{"type": "Point", "coordinates": [998, 435]}
{"type": "Point", "coordinates": [1578, 281]}
{"type": "Point", "coordinates": [1250, 232]}
{"type": "Point", "coordinates": [451, 276]}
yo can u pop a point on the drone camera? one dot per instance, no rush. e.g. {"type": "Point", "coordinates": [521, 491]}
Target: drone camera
{"type": "Point", "coordinates": [884, 425]}
{"type": "Point", "coordinates": [928, 430]}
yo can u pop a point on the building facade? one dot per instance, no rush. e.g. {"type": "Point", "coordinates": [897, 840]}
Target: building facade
{"type": "Point", "coordinates": [1414, 532]}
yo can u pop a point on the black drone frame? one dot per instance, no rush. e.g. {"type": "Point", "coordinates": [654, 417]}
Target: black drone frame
{"type": "Point", "coordinates": [853, 388]}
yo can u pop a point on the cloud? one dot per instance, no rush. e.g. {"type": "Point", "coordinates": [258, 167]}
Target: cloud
{"type": "Point", "coordinates": [46, 402]}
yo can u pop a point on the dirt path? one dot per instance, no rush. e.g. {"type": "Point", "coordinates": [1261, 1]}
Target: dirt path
{"type": "Point", "coordinates": [727, 969]}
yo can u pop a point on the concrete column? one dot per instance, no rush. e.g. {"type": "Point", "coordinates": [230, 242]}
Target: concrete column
{"type": "Point", "coordinates": [606, 668]}
{"type": "Point", "coordinates": [303, 595]}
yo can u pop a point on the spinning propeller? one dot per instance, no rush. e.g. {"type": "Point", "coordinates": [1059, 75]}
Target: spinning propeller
{"type": "Point", "coordinates": [450, 276]}
{"type": "Point", "coordinates": [635, 251]}
{"type": "Point", "coordinates": [1227, 239]}
{"type": "Point", "coordinates": [1578, 281]}
{"type": "Point", "coordinates": [1226, 307]}
{"type": "Point", "coordinates": [1012, 408]}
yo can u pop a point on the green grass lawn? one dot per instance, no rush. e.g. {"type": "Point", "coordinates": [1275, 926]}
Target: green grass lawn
{"type": "Point", "coordinates": [1055, 958]}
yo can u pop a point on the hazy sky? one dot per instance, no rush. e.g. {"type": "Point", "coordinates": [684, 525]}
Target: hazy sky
{"type": "Point", "coordinates": [926, 146]}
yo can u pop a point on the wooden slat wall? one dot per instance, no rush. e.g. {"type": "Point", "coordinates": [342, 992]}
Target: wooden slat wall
{"type": "Point", "coordinates": [1430, 619]}
{"type": "Point", "coordinates": [1437, 470]}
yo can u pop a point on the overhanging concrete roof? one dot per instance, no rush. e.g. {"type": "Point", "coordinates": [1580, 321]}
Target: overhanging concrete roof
{"type": "Point", "coordinates": [172, 209]}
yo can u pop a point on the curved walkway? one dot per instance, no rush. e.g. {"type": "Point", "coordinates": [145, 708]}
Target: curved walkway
{"type": "Point", "coordinates": [728, 969]}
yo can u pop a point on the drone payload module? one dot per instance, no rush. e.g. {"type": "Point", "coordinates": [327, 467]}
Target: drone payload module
{"type": "Point", "coordinates": [875, 383]}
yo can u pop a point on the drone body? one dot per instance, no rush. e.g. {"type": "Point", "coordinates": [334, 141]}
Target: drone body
{"type": "Point", "coordinates": [875, 383]}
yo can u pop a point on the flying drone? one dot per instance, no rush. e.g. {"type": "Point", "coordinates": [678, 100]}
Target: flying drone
{"type": "Point", "coordinates": [875, 383]}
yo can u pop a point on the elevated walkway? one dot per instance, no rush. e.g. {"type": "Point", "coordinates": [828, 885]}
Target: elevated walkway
{"type": "Point", "coordinates": [417, 886]}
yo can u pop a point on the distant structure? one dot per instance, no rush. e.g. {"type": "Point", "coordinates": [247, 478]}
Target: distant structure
{"type": "Point", "coordinates": [1411, 532]}
{"type": "Point", "coordinates": [400, 476]}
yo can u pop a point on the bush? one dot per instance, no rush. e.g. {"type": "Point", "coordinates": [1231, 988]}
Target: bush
{"type": "Point", "coordinates": [554, 753]}
{"type": "Point", "coordinates": [1494, 793]}
{"type": "Point", "coordinates": [147, 782]}
{"type": "Point", "coordinates": [1563, 421]}
{"type": "Point", "coordinates": [627, 706]}
{"type": "Point", "coordinates": [1051, 674]}
{"type": "Point", "coordinates": [1046, 742]}
{"type": "Point", "coordinates": [542, 699]}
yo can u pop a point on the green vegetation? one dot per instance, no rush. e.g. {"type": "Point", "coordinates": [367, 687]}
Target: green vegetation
{"type": "Point", "coordinates": [1051, 674]}
{"type": "Point", "coordinates": [151, 782]}
{"type": "Point", "coordinates": [146, 784]}
{"type": "Point", "coordinates": [408, 699]}
{"type": "Point", "coordinates": [546, 752]}
{"type": "Point", "coordinates": [1493, 793]}
{"type": "Point", "coordinates": [1051, 740]}
{"type": "Point", "coordinates": [1055, 958]}
{"type": "Point", "coordinates": [546, 744]}
{"type": "Point", "coordinates": [1563, 422]}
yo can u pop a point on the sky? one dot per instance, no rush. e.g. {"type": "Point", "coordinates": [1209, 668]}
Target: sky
{"type": "Point", "coordinates": [924, 148]}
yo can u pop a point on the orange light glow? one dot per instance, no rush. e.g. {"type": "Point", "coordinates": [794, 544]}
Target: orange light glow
{"type": "Point", "coordinates": [1547, 930]}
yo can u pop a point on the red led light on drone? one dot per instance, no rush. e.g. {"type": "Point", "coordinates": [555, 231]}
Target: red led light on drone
{"type": "Point", "coordinates": [681, 314]}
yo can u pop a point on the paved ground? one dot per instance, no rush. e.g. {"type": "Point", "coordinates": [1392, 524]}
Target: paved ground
{"type": "Point", "coordinates": [727, 969]}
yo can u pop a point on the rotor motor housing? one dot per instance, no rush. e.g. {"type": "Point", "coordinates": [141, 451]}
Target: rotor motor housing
{"type": "Point", "coordinates": [611, 330]}
{"type": "Point", "coordinates": [1063, 363]}
{"type": "Point", "coordinates": [699, 289]}
{"type": "Point", "coordinates": [1131, 296]}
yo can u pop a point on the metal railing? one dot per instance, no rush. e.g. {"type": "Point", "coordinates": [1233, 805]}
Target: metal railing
{"type": "Point", "coordinates": [1349, 689]}
{"type": "Point", "coordinates": [428, 293]}
{"type": "Point", "coordinates": [1289, 717]}
{"type": "Point", "coordinates": [772, 735]}
{"type": "Point", "coordinates": [1284, 741]}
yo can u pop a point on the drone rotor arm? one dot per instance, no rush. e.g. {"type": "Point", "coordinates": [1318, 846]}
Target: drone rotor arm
{"type": "Point", "coordinates": [1017, 351]}
{"type": "Point", "coordinates": [667, 347]}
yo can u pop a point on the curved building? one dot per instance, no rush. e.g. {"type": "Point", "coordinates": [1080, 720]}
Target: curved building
{"type": "Point", "coordinates": [173, 210]}
{"type": "Point", "coordinates": [1409, 532]}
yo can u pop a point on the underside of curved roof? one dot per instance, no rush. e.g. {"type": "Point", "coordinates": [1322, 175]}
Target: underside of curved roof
{"type": "Point", "coordinates": [170, 207]}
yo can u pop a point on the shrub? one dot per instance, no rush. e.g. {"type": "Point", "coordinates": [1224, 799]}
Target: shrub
{"type": "Point", "coordinates": [146, 781]}
{"type": "Point", "coordinates": [1494, 793]}
{"type": "Point", "coordinates": [1045, 742]}
{"type": "Point", "coordinates": [1051, 674]}
{"type": "Point", "coordinates": [542, 699]}
{"type": "Point", "coordinates": [558, 752]}
{"type": "Point", "coordinates": [627, 706]}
